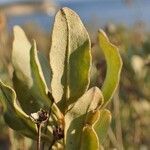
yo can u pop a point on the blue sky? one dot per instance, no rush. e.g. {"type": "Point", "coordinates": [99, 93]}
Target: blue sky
{"type": "Point", "coordinates": [4, 1]}
{"type": "Point", "coordinates": [10, 1]}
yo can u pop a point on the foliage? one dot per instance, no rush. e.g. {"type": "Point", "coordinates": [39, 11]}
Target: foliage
{"type": "Point", "coordinates": [134, 97]}
{"type": "Point", "coordinates": [77, 117]}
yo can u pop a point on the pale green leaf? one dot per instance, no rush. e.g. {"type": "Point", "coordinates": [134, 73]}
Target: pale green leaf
{"type": "Point", "coordinates": [28, 79]}
{"type": "Point", "coordinates": [102, 124]}
{"type": "Point", "coordinates": [76, 117]}
{"type": "Point", "coordinates": [114, 65]}
{"type": "Point", "coordinates": [99, 120]}
{"type": "Point", "coordinates": [70, 58]}
{"type": "Point", "coordinates": [89, 139]}
{"type": "Point", "coordinates": [45, 68]}
{"type": "Point", "coordinates": [15, 117]}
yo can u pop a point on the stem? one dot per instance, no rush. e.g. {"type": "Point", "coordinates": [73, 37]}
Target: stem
{"type": "Point", "coordinates": [39, 136]}
{"type": "Point", "coordinates": [45, 130]}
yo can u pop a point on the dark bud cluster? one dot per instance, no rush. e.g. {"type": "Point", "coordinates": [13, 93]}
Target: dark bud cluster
{"type": "Point", "coordinates": [58, 133]}
{"type": "Point", "coordinates": [40, 117]}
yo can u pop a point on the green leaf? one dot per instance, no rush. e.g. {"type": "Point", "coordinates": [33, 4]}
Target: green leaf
{"type": "Point", "coordinates": [39, 83]}
{"type": "Point", "coordinates": [28, 79]}
{"type": "Point", "coordinates": [15, 117]}
{"type": "Point", "coordinates": [102, 124]}
{"type": "Point", "coordinates": [89, 139]}
{"type": "Point", "coordinates": [45, 68]}
{"type": "Point", "coordinates": [92, 117]}
{"type": "Point", "coordinates": [100, 121]}
{"type": "Point", "coordinates": [114, 65]}
{"type": "Point", "coordinates": [70, 58]}
{"type": "Point", "coordinates": [76, 117]}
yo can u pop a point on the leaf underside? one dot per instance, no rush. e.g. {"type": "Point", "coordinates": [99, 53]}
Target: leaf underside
{"type": "Point", "coordinates": [70, 58]}
{"type": "Point", "coordinates": [28, 79]}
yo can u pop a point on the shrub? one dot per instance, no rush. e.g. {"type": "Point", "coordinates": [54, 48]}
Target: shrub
{"type": "Point", "coordinates": [55, 104]}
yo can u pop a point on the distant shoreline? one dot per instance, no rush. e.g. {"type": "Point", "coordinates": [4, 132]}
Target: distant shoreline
{"type": "Point", "coordinates": [101, 12]}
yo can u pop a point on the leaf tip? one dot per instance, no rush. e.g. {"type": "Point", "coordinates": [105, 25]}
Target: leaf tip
{"type": "Point", "coordinates": [19, 36]}
{"type": "Point", "coordinates": [34, 45]}
{"type": "Point", "coordinates": [108, 113]}
{"type": "Point", "coordinates": [65, 8]}
{"type": "Point", "coordinates": [17, 29]}
{"type": "Point", "coordinates": [102, 35]}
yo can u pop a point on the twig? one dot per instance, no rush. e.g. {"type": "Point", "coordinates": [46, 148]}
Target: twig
{"type": "Point", "coordinates": [39, 136]}
{"type": "Point", "coordinates": [39, 118]}
{"type": "Point", "coordinates": [45, 130]}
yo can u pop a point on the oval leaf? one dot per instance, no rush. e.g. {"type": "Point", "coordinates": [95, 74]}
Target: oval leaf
{"type": "Point", "coordinates": [76, 117]}
{"type": "Point", "coordinates": [70, 58]}
{"type": "Point", "coordinates": [114, 65]}
{"type": "Point", "coordinates": [28, 79]}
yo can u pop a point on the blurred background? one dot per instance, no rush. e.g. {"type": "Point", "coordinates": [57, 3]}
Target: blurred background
{"type": "Point", "coordinates": [127, 23]}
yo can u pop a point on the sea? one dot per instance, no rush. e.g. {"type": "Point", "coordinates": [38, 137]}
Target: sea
{"type": "Point", "coordinates": [95, 12]}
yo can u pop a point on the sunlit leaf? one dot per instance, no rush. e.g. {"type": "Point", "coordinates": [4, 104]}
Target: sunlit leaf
{"type": "Point", "coordinates": [76, 118]}
{"type": "Point", "coordinates": [15, 117]}
{"type": "Point", "coordinates": [70, 58]}
{"type": "Point", "coordinates": [45, 68]}
{"type": "Point", "coordinates": [89, 139]}
{"type": "Point", "coordinates": [114, 65]}
{"type": "Point", "coordinates": [102, 124]}
{"type": "Point", "coordinates": [28, 79]}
